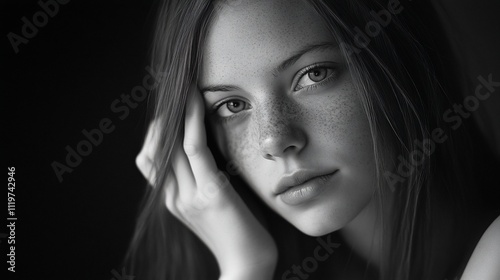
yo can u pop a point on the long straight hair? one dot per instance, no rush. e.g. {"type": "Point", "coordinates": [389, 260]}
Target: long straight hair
{"type": "Point", "coordinates": [403, 99]}
{"type": "Point", "coordinates": [162, 247]}
{"type": "Point", "coordinates": [404, 94]}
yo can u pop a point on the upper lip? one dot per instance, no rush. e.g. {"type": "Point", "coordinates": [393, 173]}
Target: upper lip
{"type": "Point", "coordinates": [297, 178]}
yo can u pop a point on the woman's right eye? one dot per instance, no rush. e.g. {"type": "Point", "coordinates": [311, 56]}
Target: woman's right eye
{"type": "Point", "coordinates": [231, 107]}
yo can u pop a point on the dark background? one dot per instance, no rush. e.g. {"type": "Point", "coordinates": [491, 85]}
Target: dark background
{"type": "Point", "coordinates": [65, 79]}
{"type": "Point", "coordinates": [62, 81]}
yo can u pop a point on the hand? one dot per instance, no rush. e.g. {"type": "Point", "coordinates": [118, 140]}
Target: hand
{"type": "Point", "coordinates": [201, 196]}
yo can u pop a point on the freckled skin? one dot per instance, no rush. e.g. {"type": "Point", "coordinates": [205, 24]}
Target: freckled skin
{"type": "Point", "coordinates": [324, 128]}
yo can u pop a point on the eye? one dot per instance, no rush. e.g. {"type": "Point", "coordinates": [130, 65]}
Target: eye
{"type": "Point", "coordinates": [231, 107]}
{"type": "Point", "coordinates": [313, 75]}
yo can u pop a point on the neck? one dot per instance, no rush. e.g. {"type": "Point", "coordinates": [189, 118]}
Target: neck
{"type": "Point", "coordinates": [364, 233]}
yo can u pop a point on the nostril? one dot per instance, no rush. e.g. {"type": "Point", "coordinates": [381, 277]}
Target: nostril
{"type": "Point", "coordinates": [289, 149]}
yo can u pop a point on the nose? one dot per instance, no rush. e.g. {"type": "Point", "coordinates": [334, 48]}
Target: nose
{"type": "Point", "coordinates": [280, 134]}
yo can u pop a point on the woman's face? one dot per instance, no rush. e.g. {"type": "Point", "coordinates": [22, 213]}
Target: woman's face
{"type": "Point", "coordinates": [283, 109]}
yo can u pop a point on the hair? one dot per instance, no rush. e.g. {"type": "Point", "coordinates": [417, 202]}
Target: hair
{"type": "Point", "coordinates": [405, 84]}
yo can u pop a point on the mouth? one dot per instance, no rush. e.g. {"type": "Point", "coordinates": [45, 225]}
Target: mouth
{"type": "Point", "coordinates": [302, 186]}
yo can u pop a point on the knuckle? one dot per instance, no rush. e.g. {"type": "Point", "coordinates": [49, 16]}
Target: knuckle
{"type": "Point", "coordinates": [145, 171]}
{"type": "Point", "coordinates": [220, 181]}
{"type": "Point", "coordinates": [191, 149]}
{"type": "Point", "coordinates": [211, 189]}
{"type": "Point", "coordinates": [212, 194]}
{"type": "Point", "coordinates": [193, 207]}
{"type": "Point", "coordinates": [170, 205]}
{"type": "Point", "coordinates": [140, 161]}
{"type": "Point", "coordinates": [200, 202]}
{"type": "Point", "coordinates": [146, 168]}
{"type": "Point", "coordinates": [183, 208]}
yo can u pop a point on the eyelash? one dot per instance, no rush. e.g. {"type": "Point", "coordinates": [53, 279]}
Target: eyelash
{"type": "Point", "coordinates": [224, 102]}
{"type": "Point", "coordinates": [310, 68]}
{"type": "Point", "coordinates": [301, 74]}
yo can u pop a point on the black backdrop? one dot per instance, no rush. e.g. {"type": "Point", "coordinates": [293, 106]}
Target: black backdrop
{"type": "Point", "coordinates": [64, 80]}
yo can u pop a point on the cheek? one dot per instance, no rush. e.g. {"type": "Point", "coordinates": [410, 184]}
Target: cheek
{"type": "Point", "coordinates": [341, 126]}
{"type": "Point", "coordinates": [239, 143]}
{"type": "Point", "coordinates": [237, 147]}
{"type": "Point", "coordinates": [335, 124]}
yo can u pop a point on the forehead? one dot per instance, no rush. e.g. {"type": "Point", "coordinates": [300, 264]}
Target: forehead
{"type": "Point", "coordinates": [252, 37]}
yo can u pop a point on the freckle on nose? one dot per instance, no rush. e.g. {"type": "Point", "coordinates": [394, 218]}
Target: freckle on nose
{"type": "Point", "coordinates": [275, 118]}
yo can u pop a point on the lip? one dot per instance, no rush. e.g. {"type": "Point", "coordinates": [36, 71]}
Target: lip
{"type": "Point", "coordinates": [302, 186]}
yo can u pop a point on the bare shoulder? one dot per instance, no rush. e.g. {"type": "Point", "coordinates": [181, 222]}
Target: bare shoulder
{"type": "Point", "coordinates": [483, 264]}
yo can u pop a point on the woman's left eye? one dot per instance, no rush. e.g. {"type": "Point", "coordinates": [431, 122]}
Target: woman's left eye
{"type": "Point", "coordinates": [313, 76]}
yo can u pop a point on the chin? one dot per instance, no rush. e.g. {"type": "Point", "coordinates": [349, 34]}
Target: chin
{"type": "Point", "coordinates": [315, 232]}
{"type": "Point", "coordinates": [317, 228]}
{"type": "Point", "coordinates": [322, 220]}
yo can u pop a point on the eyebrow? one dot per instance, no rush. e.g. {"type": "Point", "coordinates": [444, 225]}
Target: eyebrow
{"type": "Point", "coordinates": [308, 48]}
{"type": "Point", "coordinates": [280, 68]}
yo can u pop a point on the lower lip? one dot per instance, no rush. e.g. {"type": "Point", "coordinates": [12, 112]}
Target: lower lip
{"type": "Point", "coordinates": [306, 191]}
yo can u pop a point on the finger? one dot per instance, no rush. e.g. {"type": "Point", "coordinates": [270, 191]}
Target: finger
{"type": "Point", "coordinates": [202, 162]}
{"type": "Point", "coordinates": [171, 193]}
{"type": "Point", "coordinates": [150, 146]}
{"type": "Point", "coordinates": [145, 165]}
{"type": "Point", "coordinates": [186, 183]}
{"type": "Point", "coordinates": [172, 200]}
{"type": "Point", "coordinates": [145, 158]}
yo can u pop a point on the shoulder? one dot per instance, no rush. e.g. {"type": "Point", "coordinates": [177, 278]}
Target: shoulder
{"type": "Point", "coordinates": [483, 264]}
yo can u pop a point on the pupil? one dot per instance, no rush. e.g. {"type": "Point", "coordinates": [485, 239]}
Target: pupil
{"type": "Point", "coordinates": [234, 106]}
{"type": "Point", "coordinates": [317, 74]}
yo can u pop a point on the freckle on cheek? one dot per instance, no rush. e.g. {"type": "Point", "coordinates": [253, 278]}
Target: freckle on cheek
{"type": "Point", "coordinates": [342, 121]}
{"type": "Point", "coordinates": [332, 119]}
{"type": "Point", "coordinates": [239, 148]}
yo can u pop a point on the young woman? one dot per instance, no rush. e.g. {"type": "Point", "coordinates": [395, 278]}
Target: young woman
{"type": "Point", "coordinates": [312, 140]}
